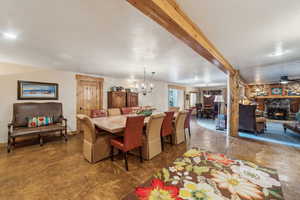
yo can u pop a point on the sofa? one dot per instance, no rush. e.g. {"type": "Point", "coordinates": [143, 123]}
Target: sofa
{"type": "Point", "coordinates": [22, 112]}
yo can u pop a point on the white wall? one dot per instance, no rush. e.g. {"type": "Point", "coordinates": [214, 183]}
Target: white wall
{"type": "Point", "coordinates": [67, 94]}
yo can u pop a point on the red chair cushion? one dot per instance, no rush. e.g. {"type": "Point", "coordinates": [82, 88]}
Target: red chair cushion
{"type": "Point", "coordinates": [188, 118]}
{"type": "Point", "coordinates": [167, 125]}
{"type": "Point", "coordinates": [98, 113]}
{"type": "Point", "coordinates": [126, 111]}
{"type": "Point", "coordinates": [117, 143]}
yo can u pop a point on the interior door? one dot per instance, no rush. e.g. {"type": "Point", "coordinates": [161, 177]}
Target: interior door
{"type": "Point", "coordinates": [89, 95]}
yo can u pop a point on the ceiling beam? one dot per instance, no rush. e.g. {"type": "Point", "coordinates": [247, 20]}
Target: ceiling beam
{"type": "Point", "coordinates": [168, 14]}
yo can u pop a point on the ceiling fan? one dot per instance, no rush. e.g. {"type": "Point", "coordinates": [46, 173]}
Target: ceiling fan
{"type": "Point", "coordinates": [286, 80]}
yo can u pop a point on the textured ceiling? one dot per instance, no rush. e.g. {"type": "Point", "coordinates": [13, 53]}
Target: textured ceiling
{"type": "Point", "coordinates": [261, 38]}
{"type": "Point", "coordinates": [101, 37]}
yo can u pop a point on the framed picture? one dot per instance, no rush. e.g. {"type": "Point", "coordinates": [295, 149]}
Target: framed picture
{"type": "Point", "coordinates": [28, 90]}
{"type": "Point", "coordinates": [276, 91]}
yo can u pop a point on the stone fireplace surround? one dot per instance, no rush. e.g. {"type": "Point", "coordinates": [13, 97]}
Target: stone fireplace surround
{"type": "Point", "coordinates": [278, 109]}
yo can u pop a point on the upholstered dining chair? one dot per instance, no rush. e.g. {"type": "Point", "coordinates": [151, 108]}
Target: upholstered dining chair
{"type": "Point", "coordinates": [126, 110]}
{"type": "Point", "coordinates": [98, 113]}
{"type": "Point", "coordinates": [132, 138]}
{"type": "Point", "coordinates": [174, 109]}
{"type": "Point", "coordinates": [152, 140]}
{"type": "Point", "coordinates": [96, 145]}
{"type": "Point", "coordinates": [179, 127]}
{"type": "Point", "coordinates": [114, 112]}
{"type": "Point", "coordinates": [167, 128]}
{"type": "Point", "coordinates": [135, 109]}
{"type": "Point", "coordinates": [188, 121]}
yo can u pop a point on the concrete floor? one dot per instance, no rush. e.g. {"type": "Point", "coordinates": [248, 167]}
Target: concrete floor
{"type": "Point", "coordinates": [58, 170]}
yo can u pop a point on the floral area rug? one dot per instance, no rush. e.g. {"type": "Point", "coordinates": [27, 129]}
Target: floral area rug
{"type": "Point", "coordinates": [202, 175]}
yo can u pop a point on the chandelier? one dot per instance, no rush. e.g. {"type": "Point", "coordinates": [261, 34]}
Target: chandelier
{"type": "Point", "coordinates": [206, 94]}
{"type": "Point", "coordinates": [146, 86]}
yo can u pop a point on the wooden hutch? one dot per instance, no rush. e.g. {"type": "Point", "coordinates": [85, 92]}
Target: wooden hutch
{"type": "Point", "coordinates": [120, 99]}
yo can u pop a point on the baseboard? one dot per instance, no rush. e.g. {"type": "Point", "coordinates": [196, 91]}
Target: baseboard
{"type": "Point", "coordinates": [4, 143]}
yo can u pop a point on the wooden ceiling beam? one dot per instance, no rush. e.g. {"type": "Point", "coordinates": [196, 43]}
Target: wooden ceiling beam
{"type": "Point", "coordinates": [168, 14]}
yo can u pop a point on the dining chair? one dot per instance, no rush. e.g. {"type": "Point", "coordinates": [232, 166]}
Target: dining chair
{"type": "Point", "coordinates": [187, 122]}
{"type": "Point", "coordinates": [199, 110]}
{"type": "Point", "coordinates": [132, 138]}
{"type": "Point", "coordinates": [167, 128]}
{"type": "Point", "coordinates": [126, 110]}
{"type": "Point", "coordinates": [135, 109]}
{"type": "Point", "coordinates": [96, 145]}
{"type": "Point", "coordinates": [174, 109]}
{"type": "Point", "coordinates": [114, 112]}
{"type": "Point", "coordinates": [151, 139]}
{"type": "Point", "coordinates": [179, 127]}
{"type": "Point", "coordinates": [98, 113]}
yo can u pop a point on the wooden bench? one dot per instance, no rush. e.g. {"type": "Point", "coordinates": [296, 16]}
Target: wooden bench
{"type": "Point", "coordinates": [23, 111]}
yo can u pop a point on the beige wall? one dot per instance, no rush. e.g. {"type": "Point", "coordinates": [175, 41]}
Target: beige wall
{"type": "Point", "coordinates": [67, 94]}
{"type": "Point", "coordinates": [8, 88]}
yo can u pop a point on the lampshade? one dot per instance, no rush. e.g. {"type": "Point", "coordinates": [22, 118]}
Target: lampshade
{"type": "Point", "coordinates": [219, 99]}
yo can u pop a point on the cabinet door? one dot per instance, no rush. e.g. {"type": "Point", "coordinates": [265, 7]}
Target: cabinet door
{"type": "Point", "coordinates": [132, 99]}
{"type": "Point", "coordinates": [118, 99]}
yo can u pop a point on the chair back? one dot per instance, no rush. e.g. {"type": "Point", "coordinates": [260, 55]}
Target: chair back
{"type": "Point", "coordinates": [198, 106]}
{"type": "Point", "coordinates": [126, 110]}
{"type": "Point", "coordinates": [179, 127]}
{"type": "Point", "coordinates": [167, 126]}
{"type": "Point", "coordinates": [154, 126]}
{"type": "Point", "coordinates": [23, 111]}
{"type": "Point", "coordinates": [247, 118]}
{"type": "Point", "coordinates": [133, 132]}
{"type": "Point", "coordinates": [114, 112]}
{"type": "Point", "coordinates": [174, 109]}
{"type": "Point", "coordinates": [188, 118]}
{"type": "Point", "coordinates": [88, 127]}
{"type": "Point", "coordinates": [98, 113]}
{"type": "Point", "coordinates": [135, 109]}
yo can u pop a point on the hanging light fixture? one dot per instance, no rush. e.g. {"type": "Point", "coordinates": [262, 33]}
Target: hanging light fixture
{"type": "Point", "coordinates": [206, 94]}
{"type": "Point", "coordinates": [146, 86]}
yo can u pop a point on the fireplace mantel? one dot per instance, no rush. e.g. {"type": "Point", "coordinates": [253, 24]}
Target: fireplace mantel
{"type": "Point", "coordinates": [277, 97]}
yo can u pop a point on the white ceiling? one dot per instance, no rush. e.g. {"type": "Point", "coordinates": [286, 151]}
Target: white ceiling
{"type": "Point", "coordinates": [112, 38]}
{"type": "Point", "coordinates": [98, 36]}
{"type": "Point", "coordinates": [252, 34]}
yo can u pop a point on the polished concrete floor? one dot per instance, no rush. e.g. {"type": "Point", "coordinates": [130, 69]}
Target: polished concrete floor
{"type": "Point", "coordinates": [58, 171]}
{"type": "Point", "coordinates": [274, 133]}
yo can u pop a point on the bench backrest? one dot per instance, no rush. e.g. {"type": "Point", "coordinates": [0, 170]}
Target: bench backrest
{"type": "Point", "coordinates": [23, 111]}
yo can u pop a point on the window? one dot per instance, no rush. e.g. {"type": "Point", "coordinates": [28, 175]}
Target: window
{"type": "Point", "coordinates": [193, 99]}
{"type": "Point", "coordinates": [173, 97]}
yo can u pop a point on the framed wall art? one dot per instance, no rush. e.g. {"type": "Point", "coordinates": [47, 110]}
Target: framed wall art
{"type": "Point", "coordinates": [276, 91]}
{"type": "Point", "coordinates": [28, 90]}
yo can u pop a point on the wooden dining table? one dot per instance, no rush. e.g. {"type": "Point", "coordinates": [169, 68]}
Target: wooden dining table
{"type": "Point", "coordinates": [116, 124]}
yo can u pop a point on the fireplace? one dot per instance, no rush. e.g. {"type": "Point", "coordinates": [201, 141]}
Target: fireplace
{"type": "Point", "coordinates": [278, 109]}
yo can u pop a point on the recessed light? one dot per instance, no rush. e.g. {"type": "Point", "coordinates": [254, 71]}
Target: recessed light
{"type": "Point", "coordinates": [9, 35]}
{"type": "Point", "coordinates": [279, 53]}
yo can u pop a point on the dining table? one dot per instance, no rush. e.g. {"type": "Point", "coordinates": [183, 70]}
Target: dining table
{"type": "Point", "coordinates": [117, 124]}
